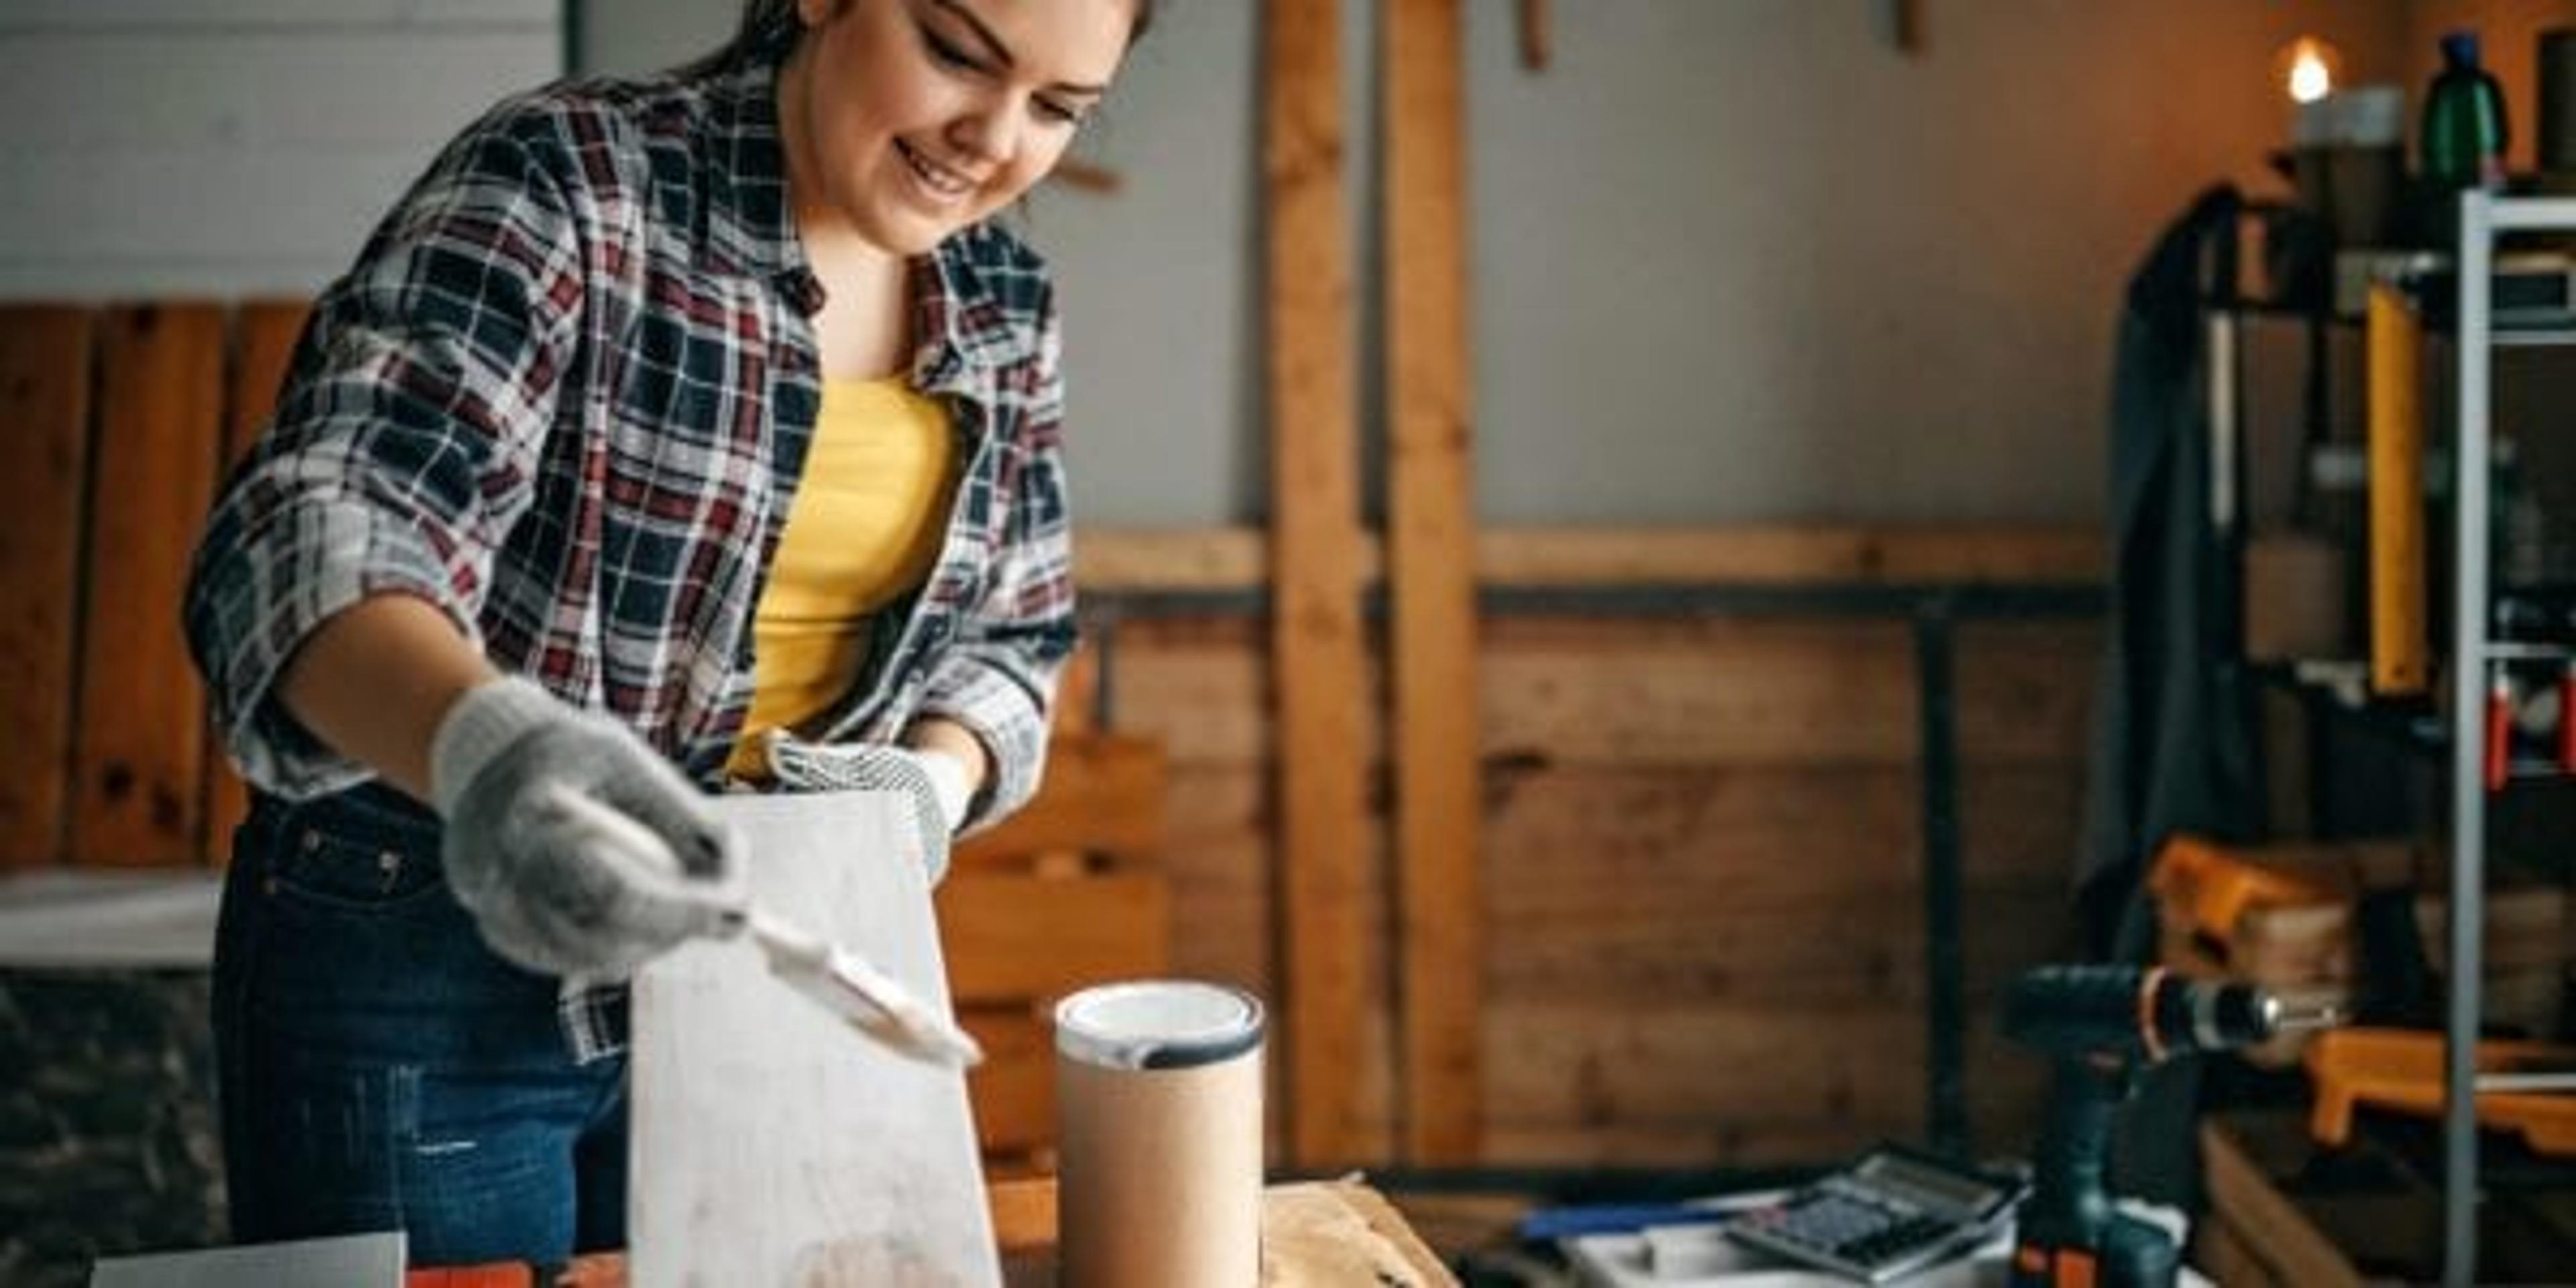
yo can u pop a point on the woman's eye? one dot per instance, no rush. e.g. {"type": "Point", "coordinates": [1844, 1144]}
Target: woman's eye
{"type": "Point", "coordinates": [1064, 113]}
{"type": "Point", "coordinates": [948, 53]}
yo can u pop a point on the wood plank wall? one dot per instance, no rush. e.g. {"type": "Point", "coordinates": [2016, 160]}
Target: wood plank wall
{"type": "Point", "coordinates": [122, 420]}
{"type": "Point", "coordinates": [1702, 855]}
{"type": "Point", "coordinates": [1700, 866]}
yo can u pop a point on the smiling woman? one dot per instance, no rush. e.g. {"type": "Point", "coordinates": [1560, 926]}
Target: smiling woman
{"type": "Point", "coordinates": [691, 432]}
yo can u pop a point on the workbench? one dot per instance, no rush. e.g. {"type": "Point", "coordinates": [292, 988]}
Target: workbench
{"type": "Point", "coordinates": [1314, 1234]}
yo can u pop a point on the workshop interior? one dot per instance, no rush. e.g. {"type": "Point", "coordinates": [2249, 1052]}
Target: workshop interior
{"type": "Point", "coordinates": [1711, 642]}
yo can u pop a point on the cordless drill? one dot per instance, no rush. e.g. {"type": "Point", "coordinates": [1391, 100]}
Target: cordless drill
{"type": "Point", "coordinates": [2102, 1024]}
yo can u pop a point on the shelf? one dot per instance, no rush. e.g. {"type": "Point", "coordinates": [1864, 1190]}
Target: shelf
{"type": "Point", "coordinates": [2534, 338]}
{"type": "Point", "coordinates": [2410, 722]}
{"type": "Point", "coordinates": [2343, 687]}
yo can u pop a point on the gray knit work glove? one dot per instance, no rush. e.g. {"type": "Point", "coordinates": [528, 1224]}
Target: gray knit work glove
{"type": "Point", "coordinates": [934, 783]}
{"type": "Point", "coordinates": [547, 892]}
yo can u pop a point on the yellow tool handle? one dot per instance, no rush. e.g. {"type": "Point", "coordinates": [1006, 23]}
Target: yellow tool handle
{"type": "Point", "coordinates": [2399, 661]}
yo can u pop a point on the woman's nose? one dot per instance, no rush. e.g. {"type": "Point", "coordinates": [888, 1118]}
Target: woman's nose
{"type": "Point", "coordinates": [988, 131]}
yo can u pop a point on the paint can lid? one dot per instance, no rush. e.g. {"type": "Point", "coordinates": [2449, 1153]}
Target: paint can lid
{"type": "Point", "coordinates": [1157, 1024]}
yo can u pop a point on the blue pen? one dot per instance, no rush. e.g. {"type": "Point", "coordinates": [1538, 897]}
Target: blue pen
{"type": "Point", "coordinates": [1612, 1218]}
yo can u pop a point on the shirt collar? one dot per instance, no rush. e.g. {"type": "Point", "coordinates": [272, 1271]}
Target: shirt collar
{"type": "Point", "coordinates": [962, 324]}
{"type": "Point", "coordinates": [965, 332]}
{"type": "Point", "coordinates": [750, 171]}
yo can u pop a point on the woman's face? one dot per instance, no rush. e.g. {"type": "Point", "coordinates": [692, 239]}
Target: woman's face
{"type": "Point", "coordinates": [906, 120]}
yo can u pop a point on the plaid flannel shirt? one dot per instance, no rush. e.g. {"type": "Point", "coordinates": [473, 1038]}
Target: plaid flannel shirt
{"type": "Point", "coordinates": [565, 395]}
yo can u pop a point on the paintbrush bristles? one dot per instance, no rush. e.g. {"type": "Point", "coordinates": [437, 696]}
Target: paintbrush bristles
{"type": "Point", "coordinates": [840, 981]}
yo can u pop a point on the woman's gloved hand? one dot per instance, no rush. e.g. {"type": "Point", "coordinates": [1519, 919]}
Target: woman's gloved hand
{"type": "Point", "coordinates": [547, 892]}
{"type": "Point", "coordinates": [934, 781]}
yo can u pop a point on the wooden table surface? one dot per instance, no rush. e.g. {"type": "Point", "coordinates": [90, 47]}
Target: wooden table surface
{"type": "Point", "coordinates": [1311, 1232]}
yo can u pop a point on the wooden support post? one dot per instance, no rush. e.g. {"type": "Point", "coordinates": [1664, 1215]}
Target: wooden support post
{"type": "Point", "coordinates": [1431, 572]}
{"type": "Point", "coordinates": [44, 401]}
{"type": "Point", "coordinates": [139, 748]}
{"type": "Point", "coordinates": [264, 334]}
{"type": "Point", "coordinates": [1322, 748]}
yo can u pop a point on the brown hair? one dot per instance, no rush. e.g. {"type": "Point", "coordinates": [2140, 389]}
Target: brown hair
{"type": "Point", "coordinates": [769, 29]}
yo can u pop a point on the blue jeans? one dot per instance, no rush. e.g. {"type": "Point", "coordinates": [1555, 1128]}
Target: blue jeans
{"type": "Point", "coordinates": [380, 1068]}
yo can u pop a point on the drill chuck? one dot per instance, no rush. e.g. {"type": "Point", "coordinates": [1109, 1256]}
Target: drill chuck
{"type": "Point", "coordinates": [2127, 1013]}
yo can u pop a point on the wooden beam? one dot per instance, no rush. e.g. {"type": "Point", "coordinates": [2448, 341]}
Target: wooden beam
{"type": "Point", "coordinates": [1234, 559]}
{"type": "Point", "coordinates": [1431, 543]}
{"type": "Point", "coordinates": [44, 401]}
{"type": "Point", "coordinates": [139, 749]}
{"type": "Point", "coordinates": [1315, 655]}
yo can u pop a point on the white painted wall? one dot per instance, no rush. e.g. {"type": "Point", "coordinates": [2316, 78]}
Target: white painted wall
{"type": "Point", "coordinates": [1734, 260]}
{"type": "Point", "coordinates": [232, 147]}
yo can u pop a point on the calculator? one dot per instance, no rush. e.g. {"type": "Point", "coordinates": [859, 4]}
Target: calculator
{"type": "Point", "coordinates": [1890, 1211]}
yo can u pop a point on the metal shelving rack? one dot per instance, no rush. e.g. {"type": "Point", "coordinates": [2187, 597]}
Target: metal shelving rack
{"type": "Point", "coordinates": [2483, 219]}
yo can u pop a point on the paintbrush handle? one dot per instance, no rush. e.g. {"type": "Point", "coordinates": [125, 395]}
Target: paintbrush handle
{"type": "Point", "coordinates": [855, 989]}
{"type": "Point", "coordinates": [842, 982]}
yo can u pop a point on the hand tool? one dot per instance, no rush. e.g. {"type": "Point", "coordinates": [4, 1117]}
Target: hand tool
{"type": "Point", "coordinates": [2102, 1024]}
{"type": "Point", "coordinates": [834, 977]}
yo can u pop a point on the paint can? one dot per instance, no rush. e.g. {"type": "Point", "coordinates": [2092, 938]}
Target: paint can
{"type": "Point", "coordinates": [1158, 1094]}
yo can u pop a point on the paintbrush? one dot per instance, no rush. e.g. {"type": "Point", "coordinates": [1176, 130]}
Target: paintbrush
{"type": "Point", "coordinates": [841, 981]}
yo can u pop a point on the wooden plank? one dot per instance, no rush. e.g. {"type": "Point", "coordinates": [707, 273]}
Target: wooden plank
{"type": "Point", "coordinates": [771, 1143]}
{"type": "Point", "coordinates": [1793, 554]}
{"type": "Point", "coordinates": [2222, 1254]}
{"type": "Point", "coordinates": [1661, 691]}
{"type": "Point", "coordinates": [1315, 656]}
{"type": "Point", "coordinates": [1582, 1069]}
{"type": "Point", "coordinates": [264, 334]}
{"type": "Point", "coordinates": [139, 749]}
{"type": "Point", "coordinates": [2277, 1233]}
{"type": "Point", "coordinates": [1220, 871]}
{"type": "Point", "coordinates": [1431, 527]}
{"type": "Point", "coordinates": [44, 400]}
{"type": "Point", "coordinates": [1024, 1214]}
{"type": "Point", "coordinates": [1742, 886]}
{"type": "Point", "coordinates": [1013, 1091]}
{"type": "Point", "coordinates": [1237, 559]}
{"type": "Point", "coordinates": [1103, 795]}
{"type": "Point", "coordinates": [1013, 938]}
{"type": "Point", "coordinates": [1077, 696]}
{"type": "Point", "coordinates": [1607, 885]}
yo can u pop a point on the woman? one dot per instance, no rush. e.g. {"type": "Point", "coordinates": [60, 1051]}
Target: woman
{"type": "Point", "coordinates": [668, 433]}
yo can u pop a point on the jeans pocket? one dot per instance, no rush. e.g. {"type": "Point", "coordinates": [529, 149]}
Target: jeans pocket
{"type": "Point", "coordinates": [353, 870]}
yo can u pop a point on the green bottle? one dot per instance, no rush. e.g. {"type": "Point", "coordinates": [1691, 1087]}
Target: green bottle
{"type": "Point", "coordinates": [2464, 127]}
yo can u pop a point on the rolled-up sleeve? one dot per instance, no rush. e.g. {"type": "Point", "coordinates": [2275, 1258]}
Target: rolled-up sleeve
{"type": "Point", "coordinates": [404, 445]}
{"type": "Point", "coordinates": [998, 676]}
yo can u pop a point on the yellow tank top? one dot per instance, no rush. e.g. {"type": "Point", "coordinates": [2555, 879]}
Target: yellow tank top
{"type": "Point", "coordinates": [864, 530]}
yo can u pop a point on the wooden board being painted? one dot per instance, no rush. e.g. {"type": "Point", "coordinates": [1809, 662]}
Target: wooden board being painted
{"type": "Point", "coordinates": [773, 1145]}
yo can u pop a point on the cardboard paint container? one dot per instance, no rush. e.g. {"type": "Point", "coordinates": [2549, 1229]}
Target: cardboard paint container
{"type": "Point", "coordinates": [1158, 1095]}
